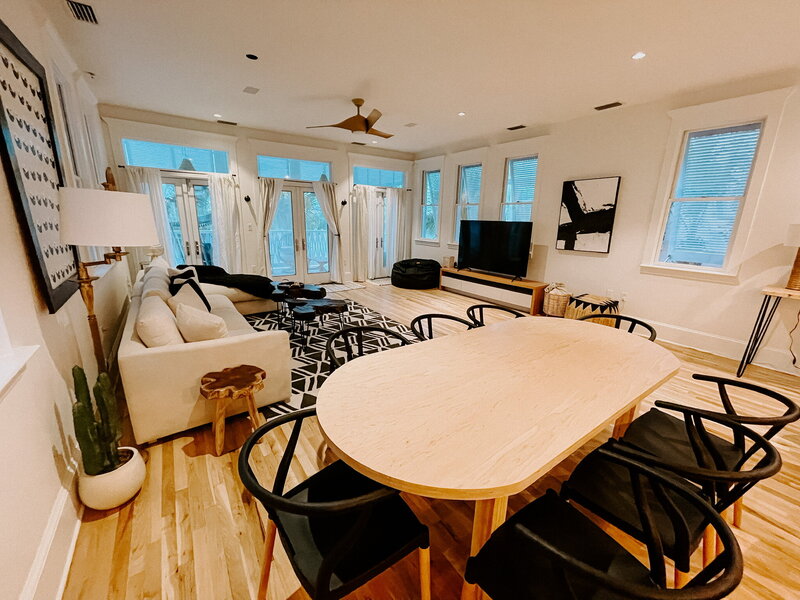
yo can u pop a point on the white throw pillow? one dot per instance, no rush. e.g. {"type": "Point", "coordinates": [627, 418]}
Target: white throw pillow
{"type": "Point", "coordinates": [156, 325]}
{"type": "Point", "coordinates": [156, 286]}
{"type": "Point", "coordinates": [197, 325]}
{"type": "Point", "coordinates": [186, 295]}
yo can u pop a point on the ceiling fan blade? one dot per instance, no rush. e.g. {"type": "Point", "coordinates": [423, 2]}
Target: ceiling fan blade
{"type": "Point", "coordinates": [373, 117]}
{"type": "Point", "coordinates": [354, 123]}
{"type": "Point", "coordinates": [318, 126]}
{"type": "Point", "coordinates": [380, 133]}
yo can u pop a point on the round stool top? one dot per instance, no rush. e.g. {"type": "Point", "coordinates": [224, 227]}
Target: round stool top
{"type": "Point", "coordinates": [304, 313]}
{"type": "Point", "coordinates": [233, 381]}
{"type": "Point", "coordinates": [279, 295]}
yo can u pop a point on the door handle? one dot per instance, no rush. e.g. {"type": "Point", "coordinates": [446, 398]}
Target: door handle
{"type": "Point", "coordinates": [304, 243]}
{"type": "Point", "coordinates": [188, 250]}
{"type": "Point", "coordinates": [197, 248]}
{"type": "Point", "coordinates": [376, 242]}
{"type": "Point", "coordinates": [296, 245]}
{"type": "Point", "coordinates": [381, 242]}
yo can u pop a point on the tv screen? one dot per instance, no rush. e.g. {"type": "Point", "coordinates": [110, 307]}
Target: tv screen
{"type": "Point", "coordinates": [495, 246]}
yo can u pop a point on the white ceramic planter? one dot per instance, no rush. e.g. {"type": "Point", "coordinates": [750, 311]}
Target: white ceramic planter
{"type": "Point", "coordinates": [109, 490]}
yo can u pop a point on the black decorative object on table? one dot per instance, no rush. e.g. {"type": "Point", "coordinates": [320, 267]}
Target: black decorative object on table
{"type": "Point", "coordinates": [33, 169]}
{"type": "Point", "coordinates": [588, 207]}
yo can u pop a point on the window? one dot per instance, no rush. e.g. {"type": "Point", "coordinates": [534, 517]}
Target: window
{"type": "Point", "coordinates": [139, 153]}
{"type": "Point", "coordinates": [707, 197]}
{"type": "Point", "coordinates": [292, 168]}
{"type": "Point", "coordinates": [520, 185]}
{"type": "Point", "coordinates": [429, 221]}
{"type": "Point", "coordinates": [378, 177]}
{"type": "Point", "coordinates": [468, 199]}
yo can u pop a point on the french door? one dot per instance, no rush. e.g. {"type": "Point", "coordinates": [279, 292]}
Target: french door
{"type": "Point", "coordinates": [191, 227]}
{"type": "Point", "coordinates": [299, 245]}
{"type": "Point", "coordinates": [382, 219]}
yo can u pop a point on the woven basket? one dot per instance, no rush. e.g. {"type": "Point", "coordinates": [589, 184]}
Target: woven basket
{"type": "Point", "coordinates": [556, 298]}
{"type": "Point", "coordinates": [588, 304]}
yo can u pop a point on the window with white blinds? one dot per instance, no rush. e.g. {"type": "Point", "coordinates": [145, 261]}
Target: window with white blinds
{"type": "Point", "coordinates": [517, 204]}
{"type": "Point", "coordinates": [708, 193]}
{"type": "Point", "coordinates": [468, 199]}
{"type": "Point", "coordinates": [431, 192]}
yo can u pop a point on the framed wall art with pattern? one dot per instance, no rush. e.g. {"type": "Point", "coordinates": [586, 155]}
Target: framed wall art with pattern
{"type": "Point", "coordinates": [31, 162]}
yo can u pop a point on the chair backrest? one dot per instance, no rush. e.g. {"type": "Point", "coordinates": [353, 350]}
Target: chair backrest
{"type": "Point", "coordinates": [422, 326]}
{"type": "Point", "coordinates": [630, 322]}
{"type": "Point", "coordinates": [360, 340]}
{"type": "Point", "coordinates": [775, 423]}
{"type": "Point", "coordinates": [475, 312]}
{"type": "Point", "coordinates": [716, 580]}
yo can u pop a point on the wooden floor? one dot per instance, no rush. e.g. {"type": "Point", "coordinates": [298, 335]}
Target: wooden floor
{"type": "Point", "coordinates": [193, 532]}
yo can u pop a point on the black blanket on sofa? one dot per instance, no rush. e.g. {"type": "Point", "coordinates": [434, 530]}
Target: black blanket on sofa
{"type": "Point", "coordinates": [257, 285]}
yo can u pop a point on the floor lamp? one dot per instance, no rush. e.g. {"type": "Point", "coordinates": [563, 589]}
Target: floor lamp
{"type": "Point", "coordinates": [104, 218]}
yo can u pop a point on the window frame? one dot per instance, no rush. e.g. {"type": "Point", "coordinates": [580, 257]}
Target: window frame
{"type": "Point", "coordinates": [503, 202]}
{"type": "Point", "coordinates": [766, 108]}
{"type": "Point", "coordinates": [420, 236]}
{"type": "Point", "coordinates": [458, 204]}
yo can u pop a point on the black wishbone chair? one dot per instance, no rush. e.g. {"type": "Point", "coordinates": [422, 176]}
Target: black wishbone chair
{"type": "Point", "coordinates": [475, 313]}
{"type": "Point", "coordinates": [605, 489]}
{"type": "Point", "coordinates": [360, 340]}
{"type": "Point", "coordinates": [339, 528]}
{"type": "Point", "coordinates": [551, 550]}
{"type": "Point", "coordinates": [664, 435]}
{"type": "Point", "coordinates": [630, 322]}
{"type": "Point", "coordinates": [422, 326]}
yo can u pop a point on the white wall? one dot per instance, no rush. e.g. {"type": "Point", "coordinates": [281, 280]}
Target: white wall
{"type": "Point", "coordinates": [631, 142]}
{"type": "Point", "coordinates": [38, 508]}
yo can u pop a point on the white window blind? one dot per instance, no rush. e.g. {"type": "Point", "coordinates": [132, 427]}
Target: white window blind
{"type": "Point", "coordinates": [429, 221]}
{"type": "Point", "coordinates": [292, 168]}
{"type": "Point", "coordinates": [520, 187]}
{"type": "Point", "coordinates": [708, 193]}
{"type": "Point", "coordinates": [141, 153]}
{"type": "Point", "coordinates": [468, 199]}
{"type": "Point", "coordinates": [378, 177]}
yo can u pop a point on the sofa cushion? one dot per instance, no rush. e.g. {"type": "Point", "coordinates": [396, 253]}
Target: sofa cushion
{"type": "Point", "coordinates": [189, 293]}
{"type": "Point", "coordinates": [158, 261]}
{"type": "Point", "coordinates": [233, 294]}
{"type": "Point", "coordinates": [156, 325]}
{"type": "Point", "coordinates": [156, 283]}
{"type": "Point", "coordinates": [223, 307]}
{"type": "Point", "coordinates": [197, 325]}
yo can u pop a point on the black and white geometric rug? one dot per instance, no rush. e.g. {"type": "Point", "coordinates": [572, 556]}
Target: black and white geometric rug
{"type": "Point", "coordinates": [309, 363]}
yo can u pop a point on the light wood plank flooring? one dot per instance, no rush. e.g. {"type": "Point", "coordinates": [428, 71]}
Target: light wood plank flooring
{"type": "Point", "coordinates": [193, 531]}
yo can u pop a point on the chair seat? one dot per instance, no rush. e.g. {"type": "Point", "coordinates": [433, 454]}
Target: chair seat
{"type": "Point", "coordinates": [605, 488]}
{"type": "Point", "coordinates": [664, 436]}
{"type": "Point", "coordinates": [511, 567]}
{"type": "Point", "coordinates": [391, 532]}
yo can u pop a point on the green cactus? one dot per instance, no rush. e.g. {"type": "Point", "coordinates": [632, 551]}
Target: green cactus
{"type": "Point", "coordinates": [97, 427]}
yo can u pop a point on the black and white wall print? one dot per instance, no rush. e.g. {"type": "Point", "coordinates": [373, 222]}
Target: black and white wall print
{"type": "Point", "coordinates": [32, 167]}
{"type": "Point", "coordinates": [587, 214]}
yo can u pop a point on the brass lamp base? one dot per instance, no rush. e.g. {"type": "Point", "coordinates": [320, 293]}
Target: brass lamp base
{"type": "Point", "coordinates": [794, 277]}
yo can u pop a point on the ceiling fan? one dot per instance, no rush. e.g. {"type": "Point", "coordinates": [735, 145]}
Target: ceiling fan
{"type": "Point", "coordinates": [358, 122]}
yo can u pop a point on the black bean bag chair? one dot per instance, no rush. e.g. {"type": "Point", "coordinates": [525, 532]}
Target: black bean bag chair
{"type": "Point", "coordinates": [416, 274]}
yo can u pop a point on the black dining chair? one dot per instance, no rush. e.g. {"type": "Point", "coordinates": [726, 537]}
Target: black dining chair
{"type": "Point", "coordinates": [422, 326]}
{"type": "Point", "coordinates": [475, 313]}
{"type": "Point", "coordinates": [631, 323]}
{"type": "Point", "coordinates": [358, 341]}
{"type": "Point", "coordinates": [666, 436]}
{"type": "Point", "coordinates": [607, 490]}
{"type": "Point", "coordinates": [339, 528]}
{"type": "Point", "coordinates": [550, 549]}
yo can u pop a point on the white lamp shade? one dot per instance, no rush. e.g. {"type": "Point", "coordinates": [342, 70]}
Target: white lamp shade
{"type": "Point", "coordinates": [793, 236]}
{"type": "Point", "coordinates": [103, 218]}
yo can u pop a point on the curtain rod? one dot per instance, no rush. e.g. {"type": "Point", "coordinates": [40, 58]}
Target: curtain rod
{"type": "Point", "coordinates": [184, 172]}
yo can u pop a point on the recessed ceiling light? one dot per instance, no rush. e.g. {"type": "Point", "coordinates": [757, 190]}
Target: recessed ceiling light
{"type": "Point", "coordinates": [374, 141]}
{"type": "Point", "coordinates": [217, 116]}
{"type": "Point", "coordinates": [251, 56]}
{"type": "Point", "coordinates": [638, 56]}
{"type": "Point", "coordinates": [462, 114]}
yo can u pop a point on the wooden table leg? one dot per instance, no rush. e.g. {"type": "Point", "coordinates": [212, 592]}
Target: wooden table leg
{"type": "Point", "coordinates": [623, 421]}
{"type": "Point", "coordinates": [489, 515]}
{"type": "Point", "coordinates": [218, 426]}
{"type": "Point", "coordinates": [255, 419]}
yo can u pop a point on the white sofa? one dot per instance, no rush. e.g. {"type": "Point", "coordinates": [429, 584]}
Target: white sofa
{"type": "Point", "coordinates": [162, 383]}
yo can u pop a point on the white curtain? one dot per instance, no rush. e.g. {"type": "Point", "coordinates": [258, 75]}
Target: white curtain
{"type": "Point", "coordinates": [144, 180]}
{"type": "Point", "coordinates": [226, 218]}
{"type": "Point", "coordinates": [360, 202]}
{"type": "Point", "coordinates": [270, 191]}
{"type": "Point", "coordinates": [402, 212]}
{"type": "Point", "coordinates": [326, 195]}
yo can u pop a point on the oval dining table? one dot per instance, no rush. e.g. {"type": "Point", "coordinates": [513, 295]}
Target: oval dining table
{"type": "Point", "coordinates": [480, 415]}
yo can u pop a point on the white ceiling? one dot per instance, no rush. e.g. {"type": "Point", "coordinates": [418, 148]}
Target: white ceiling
{"type": "Point", "coordinates": [503, 62]}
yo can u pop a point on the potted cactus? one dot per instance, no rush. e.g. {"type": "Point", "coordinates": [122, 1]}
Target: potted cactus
{"type": "Point", "coordinates": [111, 474]}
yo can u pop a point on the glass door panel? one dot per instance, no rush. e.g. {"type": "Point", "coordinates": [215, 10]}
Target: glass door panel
{"type": "Point", "coordinates": [281, 239]}
{"type": "Point", "coordinates": [205, 225]}
{"type": "Point", "coordinates": [316, 240]}
{"type": "Point", "coordinates": [175, 233]}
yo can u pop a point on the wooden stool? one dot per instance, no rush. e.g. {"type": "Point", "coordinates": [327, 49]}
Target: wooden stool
{"type": "Point", "coordinates": [227, 386]}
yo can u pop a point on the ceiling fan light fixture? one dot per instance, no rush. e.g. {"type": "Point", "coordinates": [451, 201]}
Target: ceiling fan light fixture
{"type": "Point", "coordinates": [462, 114]}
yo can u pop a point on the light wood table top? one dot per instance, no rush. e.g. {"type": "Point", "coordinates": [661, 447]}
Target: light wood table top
{"type": "Point", "coordinates": [484, 413]}
{"type": "Point", "coordinates": [781, 292]}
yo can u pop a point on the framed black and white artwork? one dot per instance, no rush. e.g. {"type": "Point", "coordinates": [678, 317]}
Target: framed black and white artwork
{"type": "Point", "coordinates": [587, 214]}
{"type": "Point", "coordinates": [31, 162]}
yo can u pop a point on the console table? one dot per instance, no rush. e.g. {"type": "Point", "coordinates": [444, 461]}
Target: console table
{"type": "Point", "coordinates": [501, 290]}
{"type": "Point", "coordinates": [772, 298]}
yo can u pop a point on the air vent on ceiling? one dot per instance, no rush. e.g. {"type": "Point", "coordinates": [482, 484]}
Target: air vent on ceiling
{"type": "Point", "coordinates": [226, 122]}
{"type": "Point", "coordinates": [82, 12]}
{"type": "Point", "coordinates": [358, 143]}
{"type": "Point", "coordinates": [607, 106]}
{"type": "Point", "coordinates": [410, 125]}
{"type": "Point", "coordinates": [515, 127]}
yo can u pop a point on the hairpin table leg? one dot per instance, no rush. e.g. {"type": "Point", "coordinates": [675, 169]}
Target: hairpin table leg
{"type": "Point", "coordinates": [763, 320]}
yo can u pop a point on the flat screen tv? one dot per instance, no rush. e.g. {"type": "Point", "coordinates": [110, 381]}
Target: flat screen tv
{"type": "Point", "coordinates": [495, 246]}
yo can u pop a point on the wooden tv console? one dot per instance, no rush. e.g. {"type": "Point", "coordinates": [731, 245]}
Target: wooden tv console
{"type": "Point", "coordinates": [521, 293]}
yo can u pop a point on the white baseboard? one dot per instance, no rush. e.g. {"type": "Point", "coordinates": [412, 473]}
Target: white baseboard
{"type": "Point", "coordinates": [47, 576]}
